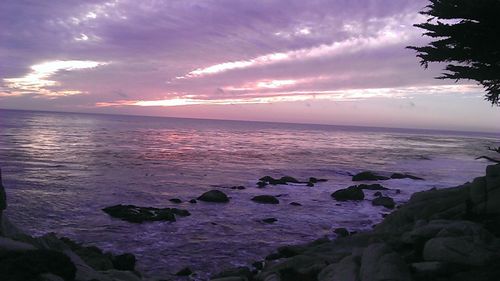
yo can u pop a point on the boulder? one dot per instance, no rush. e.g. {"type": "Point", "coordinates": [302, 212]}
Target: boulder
{"type": "Point", "coordinates": [193, 201]}
{"type": "Point", "coordinates": [9, 245]}
{"type": "Point", "coordinates": [120, 275]}
{"type": "Point", "coordinates": [124, 262]}
{"type": "Point", "coordinates": [270, 180]}
{"type": "Point", "coordinates": [215, 196]}
{"type": "Point", "coordinates": [186, 271]}
{"type": "Point", "coordinates": [175, 200]}
{"type": "Point", "coordinates": [368, 176]}
{"type": "Point", "coordinates": [315, 180]}
{"type": "Point", "coordinates": [375, 186]}
{"type": "Point", "coordinates": [346, 270]}
{"type": "Point", "coordinates": [385, 201]}
{"type": "Point", "coordinates": [342, 232]}
{"type": "Point", "coordinates": [137, 214]}
{"type": "Point", "coordinates": [350, 193]}
{"type": "Point", "coordinates": [266, 199]}
{"type": "Point", "coordinates": [270, 220]}
{"type": "Point", "coordinates": [461, 250]}
{"type": "Point", "coordinates": [405, 176]}
{"type": "Point", "coordinates": [380, 263]}
{"type": "Point", "coordinates": [240, 272]}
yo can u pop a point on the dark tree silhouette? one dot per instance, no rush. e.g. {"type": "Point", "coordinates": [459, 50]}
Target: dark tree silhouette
{"type": "Point", "coordinates": [466, 36]}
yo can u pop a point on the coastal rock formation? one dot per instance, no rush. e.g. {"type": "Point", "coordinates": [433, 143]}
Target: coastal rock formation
{"type": "Point", "coordinates": [448, 234]}
{"type": "Point", "coordinates": [350, 193]}
{"type": "Point", "coordinates": [405, 176]}
{"type": "Point", "coordinates": [285, 180]}
{"type": "Point", "coordinates": [266, 199]}
{"type": "Point", "coordinates": [215, 196]}
{"type": "Point", "coordinates": [374, 186]}
{"type": "Point", "coordinates": [385, 201]}
{"type": "Point", "coordinates": [368, 176]}
{"type": "Point", "coordinates": [137, 214]}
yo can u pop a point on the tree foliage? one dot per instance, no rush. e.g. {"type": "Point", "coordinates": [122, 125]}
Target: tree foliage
{"type": "Point", "coordinates": [466, 36]}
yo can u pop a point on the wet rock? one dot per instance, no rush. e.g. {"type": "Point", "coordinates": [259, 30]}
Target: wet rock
{"type": "Point", "coordinates": [259, 265]}
{"type": "Point", "coordinates": [270, 220]}
{"type": "Point", "coordinates": [261, 184]}
{"type": "Point", "coordinates": [288, 179]}
{"type": "Point", "coordinates": [193, 201]}
{"type": "Point", "coordinates": [124, 262]}
{"type": "Point", "coordinates": [176, 200]}
{"type": "Point", "coordinates": [186, 271]}
{"type": "Point", "coordinates": [385, 201]}
{"type": "Point", "coordinates": [119, 275]}
{"type": "Point", "coordinates": [310, 184]}
{"type": "Point", "coordinates": [342, 232]}
{"type": "Point", "coordinates": [315, 180]}
{"type": "Point", "coordinates": [346, 270]}
{"type": "Point", "coordinates": [378, 194]}
{"type": "Point", "coordinates": [273, 256]}
{"type": "Point", "coordinates": [379, 263]}
{"type": "Point", "coordinates": [291, 250]}
{"type": "Point", "coordinates": [295, 204]}
{"type": "Point", "coordinates": [242, 272]}
{"type": "Point", "coordinates": [180, 212]}
{"type": "Point", "coordinates": [238, 187]}
{"type": "Point", "coordinates": [137, 214]}
{"type": "Point", "coordinates": [429, 270]}
{"type": "Point", "coordinates": [350, 193]}
{"type": "Point", "coordinates": [215, 196]}
{"type": "Point", "coordinates": [29, 265]}
{"type": "Point", "coordinates": [283, 180]}
{"type": "Point", "coordinates": [368, 176]}
{"type": "Point", "coordinates": [374, 186]}
{"type": "Point", "coordinates": [9, 245]}
{"type": "Point", "coordinates": [405, 176]}
{"type": "Point", "coordinates": [461, 250]}
{"type": "Point", "coordinates": [266, 199]}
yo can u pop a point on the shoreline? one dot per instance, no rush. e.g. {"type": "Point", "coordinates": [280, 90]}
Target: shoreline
{"type": "Point", "coordinates": [414, 242]}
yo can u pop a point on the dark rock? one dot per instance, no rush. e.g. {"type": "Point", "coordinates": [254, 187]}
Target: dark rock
{"type": "Point", "coordinates": [261, 184]}
{"type": "Point", "coordinates": [315, 180]}
{"type": "Point", "coordinates": [291, 250]}
{"type": "Point", "coordinates": [405, 176]}
{"type": "Point", "coordinates": [193, 201]}
{"type": "Point", "coordinates": [273, 256]}
{"type": "Point", "coordinates": [3, 198]}
{"type": "Point", "coordinates": [374, 186]}
{"type": "Point", "coordinates": [137, 214]}
{"type": "Point", "coordinates": [270, 220]}
{"type": "Point", "coordinates": [242, 271]}
{"type": "Point", "coordinates": [124, 262]}
{"type": "Point", "coordinates": [289, 179]}
{"type": "Point", "coordinates": [266, 199]}
{"type": "Point", "coordinates": [350, 193]}
{"type": "Point", "coordinates": [310, 184]}
{"type": "Point", "coordinates": [214, 196]}
{"type": "Point", "coordinates": [186, 271]}
{"type": "Point", "coordinates": [175, 200]}
{"type": "Point", "coordinates": [378, 194]}
{"type": "Point", "coordinates": [92, 255]}
{"type": "Point", "coordinates": [180, 212]}
{"type": "Point", "coordinates": [385, 201]}
{"type": "Point", "coordinates": [295, 204]}
{"type": "Point", "coordinates": [273, 181]}
{"type": "Point", "coordinates": [239, 187]}
{"type": "Point", "coordinates": [342, 232]}
{"type": "Point", "coordinates": [259, 265]}
{"type": "Point", "coordinates": [29, 265]}
{"type": "Point", "coordinates": [368, 176]}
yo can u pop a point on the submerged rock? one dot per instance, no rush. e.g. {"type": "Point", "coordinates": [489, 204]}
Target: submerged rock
{"type": "Point", "coordinates": [385, 201]}
{"type": "Point", "coordinates": [175, 200]}
{"type": "Point", "coordinates": [315, 180]}
{"type": "Point", "coordinates": [350, 193]}
{"type": "Point", "coordinates": [375, 186]}
{"type": "Point", "coordinates": [405, 176]}
{"type": "Point", "coordinates": [295, 204]}
{"type": "Point", "coordinates": [193, 201]}
{"type": "Point", "coordinates": [266, 199]}
{"type": "Point", "coordinates": [215, 196]}
{"type": "Point", "coordinates": [137, 214]}
{"type": "Point", "coordinates": [368, 176]}
{"type": "Point", "coordinates": [186, 271]}
{"type": "Point", "coordinates": [270, 220]}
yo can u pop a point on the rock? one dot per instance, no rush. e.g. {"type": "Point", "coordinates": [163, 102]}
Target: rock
{"type": "Point", "coordinates": [374, 186]}
{"type": "Point", "coordinates": [301, 267]}
{"type": "Point", "coordinates": [186, 271]}
{"type": "Point", "coordinates": [350, 193]}
{"type": "Point", "coordinates": [378, 194]}
{"type": "Point", "coordinates": [215, 196]}
{"type": "Point", "coordinates": [266, 199]}
{"type": "Point", "coordinates": [9, 245]}
{"type": "Point", "coordinates": [429, 270]}
{"type": "Point", "coordinates": [310, 184]}
{"type": "Point", "coordinates": [385, 201]}
{"type": "Point", "coordinates": [124, 262]}
{"type": "Point", "coordinates": [368, 176]}
{"type": "Point", "coordinates": [315, 180]}
{"type": "Point", "coordinates": [242, 272]}
{"type": "Point", "coordinates": [342, 232]}
{"type": "Point", "coordinates": [239, 187]}
{"type": "Point", "coordinates": [230, 278]}
{"type": "Point", "coordinates": [270, 220]}
{"type": "Point", "coordinates": [92, 255]}
{"type": "Point", "coordinates": [380, 263]}
{"type": "Point", "coordinates": [3, 197]}
{"type": "Point", "coordinates": [261, 184]}
{"type": "Point", "coordinates": [346, 270]}
{"type": "Point", "coordinates": [28, 265]}
{"type": "Point", "coordinates": [291, 250]}
{"type": "Point", "coordinates": [259, 265]}
{"type": "Point", "coordinates": [461, 250]}
{"type": "Point", "coordinates": [180, 212]}
{"type": "Point", "coordinates": [288, 179]}
{"type": "Point", "coordinates": [137, 214]}
{"type": "Point", "coordinates": [273, 256]}
{"type": "Point", "coordinates": [405, 176]}
{"type": "Point", "coordinates": [273, 181]}
{"type": "Point", "coordinates": [176, 200]}
{"type": "Point", "coordinates": [193, 201]}
{"type": "Point", "coordinates": [120, 275]}
{"type": "Point", "coordinates": [295, 204]}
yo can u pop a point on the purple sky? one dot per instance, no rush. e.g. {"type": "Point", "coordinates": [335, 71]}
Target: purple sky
{"type": "Point", "coordinates": [328, 62]}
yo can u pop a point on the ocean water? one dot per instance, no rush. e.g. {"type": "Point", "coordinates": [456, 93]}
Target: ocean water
{"type": "Point", "coordinates": [61, 169]}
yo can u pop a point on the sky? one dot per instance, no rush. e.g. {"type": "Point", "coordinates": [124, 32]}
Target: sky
{"type": "Point", "coordinates": [338, 62]}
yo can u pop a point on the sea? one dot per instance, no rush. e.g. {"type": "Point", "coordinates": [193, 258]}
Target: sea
{"type": "Point", "coordinates": [61, 169]}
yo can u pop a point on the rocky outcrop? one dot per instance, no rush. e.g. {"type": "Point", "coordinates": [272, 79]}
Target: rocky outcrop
{"type": "Point", "coordinates": [405, 176]}
{"type": "Point", "coordinates": [266, 199]}
{"type": "Point", "coordinates": [368, 176]}
{"type": "Point", "coordinates": [385, 201]}
{"type": "Point", "coordinates": [350, 193]}
{"type": "Point", "coordinates": [215, 196]}
{"type": "Point", "coordinates": [135, 214]}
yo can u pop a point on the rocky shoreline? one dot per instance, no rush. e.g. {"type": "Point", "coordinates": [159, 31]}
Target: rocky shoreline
{"type": "Point", "coordinates": [446, 234]}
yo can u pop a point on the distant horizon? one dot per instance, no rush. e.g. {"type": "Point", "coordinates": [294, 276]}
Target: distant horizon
{"type": "Point", "coordinates": [484, 133]}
